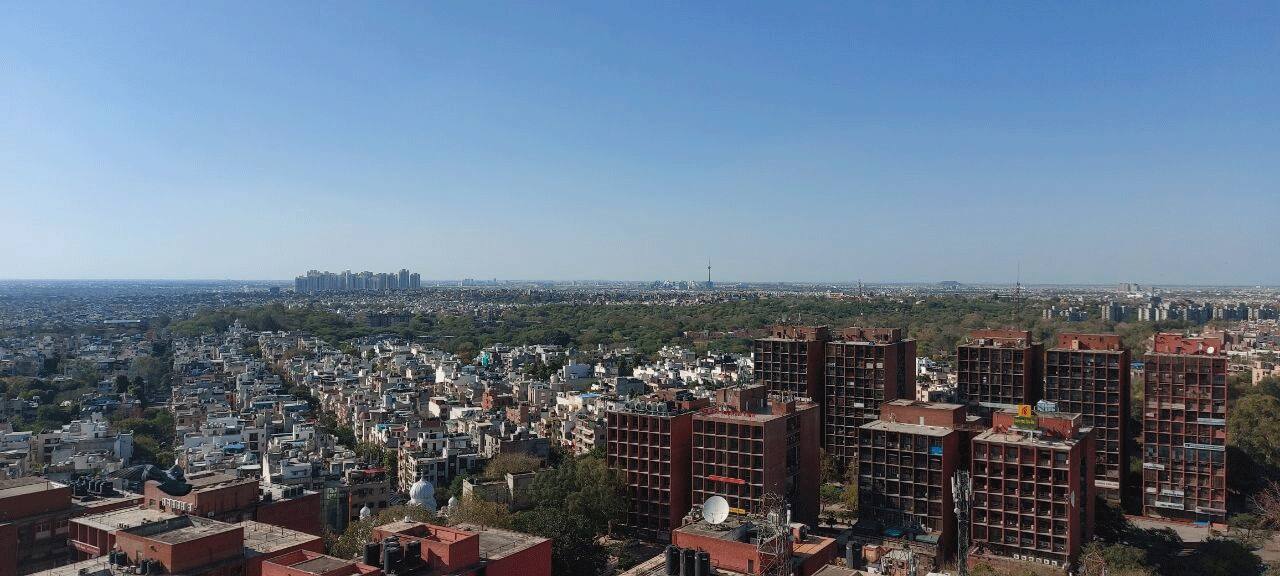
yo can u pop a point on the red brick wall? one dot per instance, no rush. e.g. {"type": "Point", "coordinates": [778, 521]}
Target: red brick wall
{"type": "Point", "coordinates": [43, 502]}
{"type": "Point", "coordinates": [253, 566]}
{"type": "Point", "coordinates": [1166, 343]}
{"type": "Point", "coordinates": [219, 501]}
{"type": "Point", "coordinates": [681, 467]}
{"type": "Point", "coordinates": [1002, 335]}
{"type": "Point", "coordinates": [184, 556]}
{"type": "Point", "coordinates": [1075, 341]}
{"type": "Point", "coordinates": [804, 506]}
{"type": "Point", "coordinates": [8, 550]}
{"type": "Point", "coordinates": [944, 415]}
{"type": "Point", "coordinates": [725, 554]}
{"type": "Point", "coordinates": [442, 547]}
{"type": "Point", "coordinates": [302, 513]}
{"type": "Point", "coordinates": [533, 561]}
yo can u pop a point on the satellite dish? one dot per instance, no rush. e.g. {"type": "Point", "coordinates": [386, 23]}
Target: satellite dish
{"type": "Point", "coordinates": [1210, 350]}
{"type": "Point", "coordinates": [715, 510]}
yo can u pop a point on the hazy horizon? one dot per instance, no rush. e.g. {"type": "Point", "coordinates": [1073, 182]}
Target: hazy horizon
{"type": "Point", "coordinates": [437, 282]}
{"type": "Point", "coordinates": [1086, 143]}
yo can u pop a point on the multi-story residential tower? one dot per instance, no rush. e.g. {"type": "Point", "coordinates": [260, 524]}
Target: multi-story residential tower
{"type": "Point", "coordinates": [998, 369]}
{"type": "Point", "coordinates": [1089, 374]}
{"type": "Point", "coordinates": [865, 367]}
{"type": "Point", "coordinates": [791, 359]}
{"type": "Point", "coordinates": [1033, 492]}
{"type": "Point", "coordinates": [1184, 465]}
{"type": "Point", "coordinates": [905, 464]}
{"type": "Point", "coordinates": [750, 443]}
{"type": "Point", "coordinates": [648, 442]}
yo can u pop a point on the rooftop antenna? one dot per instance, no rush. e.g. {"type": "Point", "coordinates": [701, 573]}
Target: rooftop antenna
{"type": "Point", "coordinates": [961, 492]}
{"type": "Point", "coordinates": [772, 543]}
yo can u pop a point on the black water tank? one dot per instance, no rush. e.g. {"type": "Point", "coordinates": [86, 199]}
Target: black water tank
{"type": "Point", "coordinates": [702, 567]}
{"type": "Point", "coordinates": [371, 551]}
{"type": "Point", "coordinates": [412, 552]}
{"type": "Point", "coordinates": [391, 554]}
{"type": "Point", "coordinates": [688, 557]}
{"type": "Point", "coordinates": [673, 560]}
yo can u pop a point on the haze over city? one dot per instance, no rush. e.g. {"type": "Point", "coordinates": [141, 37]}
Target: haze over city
{"type": "Point", "coordinates": [574, 288]}
{"type": "Point", "coordinates": [1081, 143]}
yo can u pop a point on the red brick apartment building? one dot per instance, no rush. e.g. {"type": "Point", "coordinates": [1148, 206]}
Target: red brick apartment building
{"type": "Point", "coordinates": [998, 369]}
{"type": "Point", "coordinates": [730, 548]}
{"type": "Point", "coordinates": [191, 546]}
{"type": "Point", "coordinates": [906, 462]}
{"type": "Point", "coordinates": [308, 563]}
{"type": "Point", "coordinates": [749, 443]}
{"type": "Point", "coordinates": [1088, 374]}
{"type": "Point", "coordinates": [1184, 465]}
{"type": "Point", "coordinates": [460, 550]}
{"type": "Point", "coordinates": [228, 498]}
{"type": "Point", "coordinates": [790, 359]}
{"type": "Point", "coordinates": [649, 442]}
{"type": "Point", "coordinates": [1033, 491]}
{"type": "Point", "coordinates": [865, 367]}
{"type": "Point", "coordinates": [35, 516]}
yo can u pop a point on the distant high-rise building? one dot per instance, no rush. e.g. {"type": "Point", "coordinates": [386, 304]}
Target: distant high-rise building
{"type": "Point", "coordinates": [415, 281]}
{"type": "Point", "coordinates": [316, 281]}
{"type": "Point", "coordinates": [790, 359]}
{"type": "Point", "coordinates": [1089, 374]}
{"type": "Point", "coordinates": [998, 369]}
{"type": "Point", "coordinates": [865, 367]}
{"type": "Point", "coordinates": [750, 443]}
{"type": "Point", "coordinates": [1184, 464]}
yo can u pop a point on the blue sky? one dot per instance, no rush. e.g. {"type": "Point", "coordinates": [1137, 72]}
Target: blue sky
{"type": "Point", "coordinates": [1090, 142]}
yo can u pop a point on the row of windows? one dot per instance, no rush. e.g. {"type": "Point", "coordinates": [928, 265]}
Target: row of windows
{"type": "Point", "coordinates": [730, 429]}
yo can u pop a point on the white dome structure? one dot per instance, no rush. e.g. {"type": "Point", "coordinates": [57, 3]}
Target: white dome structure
{"type": "Point", "coordinates": [365, 512]}
{"type": "Point", "coordinates": [423, 494]}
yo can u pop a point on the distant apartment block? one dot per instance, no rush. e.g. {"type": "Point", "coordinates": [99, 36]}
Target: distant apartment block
{"type": "Point", "coordinates": [998, 369]}
{"type": "Point", "coordinates": [790, 359]}
{"type": "Point", "coordinates": [750, 443]}
{"type": "Point", "coordinates": [348, 281]}
{"type": "Point", "coordinates": [1184, 465]}
{"type": "Point", "coordinates": [865, 367]}
{"type": "Point", "coordinates": [1088, 374]}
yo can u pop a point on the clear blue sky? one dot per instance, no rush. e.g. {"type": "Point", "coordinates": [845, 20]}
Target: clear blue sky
{"type": "Point", "coordinates": [888, 141]}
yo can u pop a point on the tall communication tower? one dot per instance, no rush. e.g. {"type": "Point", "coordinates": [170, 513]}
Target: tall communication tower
{"type": "Point", "coordinates": [773, 536]}
{"type": "Point", "coordinates": [962, 493]}
{"type": "Point", "coordinates": [709, 284]}
{"type": "Point", "coordinates": [1017, 296]}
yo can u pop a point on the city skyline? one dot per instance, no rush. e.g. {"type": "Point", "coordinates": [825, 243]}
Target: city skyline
{"type": "Point", "coordinates": [1083, 144]}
